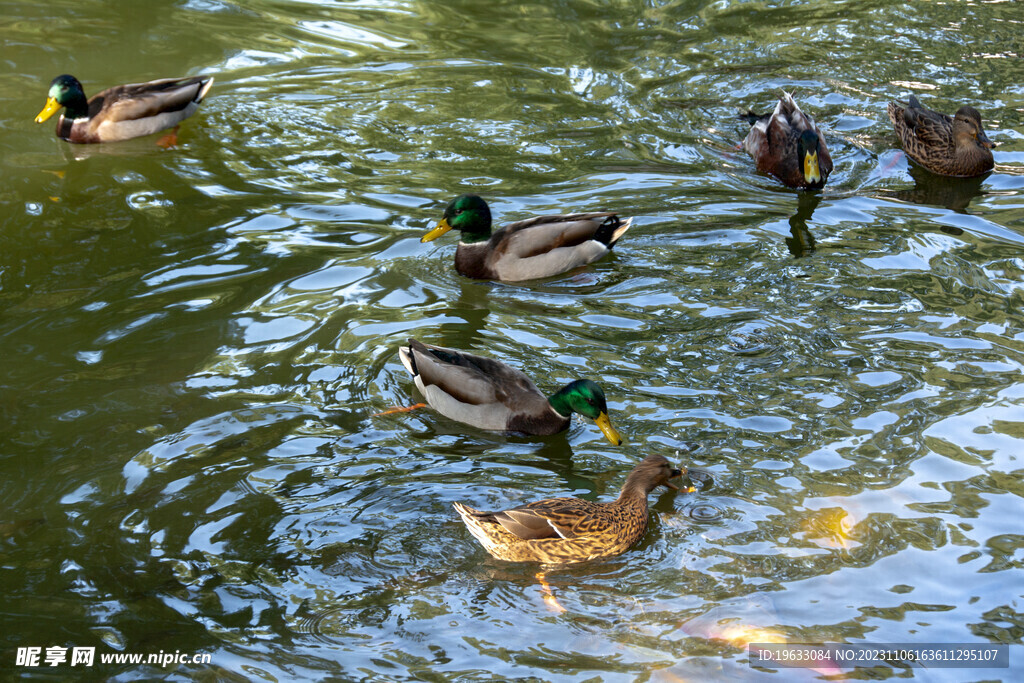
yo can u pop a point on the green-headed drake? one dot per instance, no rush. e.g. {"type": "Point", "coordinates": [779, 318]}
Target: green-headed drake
{"type": "Point", "coordinates": [788, 145]}
{"type": "Point", "coordinates": [562, 530]}
{"type": "Point", "coordinates": [124, 111]}
{"type": "Point", "coordinates": [953, 146]}
{"type": "Point", "coordinates": [529, 249]}
{"type": "Point", "coordinates": [491, 395]}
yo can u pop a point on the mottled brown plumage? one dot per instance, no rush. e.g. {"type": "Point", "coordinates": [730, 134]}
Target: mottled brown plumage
{"type": "Point", "coordinates": [563, 530]}
{"type": "Point", "coordinates": [788, 145]}
{"type": "Point", "coordinates": [951, 146]}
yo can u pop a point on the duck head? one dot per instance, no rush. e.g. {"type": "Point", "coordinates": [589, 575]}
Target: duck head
{"type": "Point", "coordinates": [807, 152]}
{"type": "Point", "coordinates": [467, 213]}
{"type": "Point", "coordinates": [967, 128]}
{"type": "Point", "coordinates": [65, 92]}
{"type": "Point", "coordinates": [586, 398]}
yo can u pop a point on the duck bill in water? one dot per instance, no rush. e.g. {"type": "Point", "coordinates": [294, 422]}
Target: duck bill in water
{"type": "Point", "coordinates": [983, 139]}
{"type": "Point", "coordinates": [441, 229]}
{"type": "Point", "coordinates": [609, 432]}
{"type": "Point", "coordinates": [811, 173]}
{"type": "Point", "coordinates": [51, 108]}
{"type": "Point", "coordinates": [687, 483]}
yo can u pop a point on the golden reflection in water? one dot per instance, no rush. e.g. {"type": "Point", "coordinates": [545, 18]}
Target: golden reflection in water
{"type": "Point", "coordinates": [831, 528]}
{"type": "Point", "coordinates": [549, 595]}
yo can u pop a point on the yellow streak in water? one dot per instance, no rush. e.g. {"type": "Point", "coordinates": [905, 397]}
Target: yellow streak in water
{"type": "Point", "coordinates": [549, 596]}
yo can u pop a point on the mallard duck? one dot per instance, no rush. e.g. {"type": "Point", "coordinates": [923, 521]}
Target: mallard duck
{"type": "Point", "coordinates": [491, 395]}
{"type": "Point", "coordinates": [788, 145]}
{"type": "Point", "coordinates": [526, 250]}
{"type": "Point", "coordinates": [124, 111]}
{"type": "Point", "coordinates": [954, 146]}
{"type": "Point", "coordinates": [561, 530]}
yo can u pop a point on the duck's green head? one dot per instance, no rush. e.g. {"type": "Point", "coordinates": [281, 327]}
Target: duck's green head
{"type": "Point", "coordinates": [65, 91]}
{"type": "Point", "coordinates": [468, 214]}
{"type": "Point", "coordinates": [807, 152]}
{"type": "Point", "coordinates": [586, 398]}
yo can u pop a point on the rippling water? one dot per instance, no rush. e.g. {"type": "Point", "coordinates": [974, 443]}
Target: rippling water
{"type": "Point", "coordinates": [195, 341]}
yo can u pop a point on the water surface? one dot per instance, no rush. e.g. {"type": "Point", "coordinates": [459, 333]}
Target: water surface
{"type": "Point", "coordinates": [195, 340]}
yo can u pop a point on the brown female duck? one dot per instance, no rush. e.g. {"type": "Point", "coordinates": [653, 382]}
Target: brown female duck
{"type": "Point", "coordinates": [124, 111]}
{"type": "Point", "coordinates": [953, 146]}
{"type": "Point", "coordinates": [788, 145]}
{"type": "Point", "coordinates": [563, 530]}
{"type": "Point", "coordinates": [533, 248]}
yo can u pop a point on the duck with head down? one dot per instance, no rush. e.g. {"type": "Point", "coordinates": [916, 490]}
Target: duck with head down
{"type": "Point", "coordinates": [947, 145]}
{"type": "Point", "coordinates": [563, 530]}
{"type": "Point", "coordinates": [491, 395]}
{"type": "Point", "coordinates": [788, 145]}
{"type": "Point", "coordinates": [529, 249]}
{"type": "Point", "coordinates": [124, 111]}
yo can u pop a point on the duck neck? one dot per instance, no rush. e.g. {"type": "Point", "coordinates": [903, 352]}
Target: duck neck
{"type": "Point", "coordinates": [634, 491]}
{"type": "Point", "coordinates": [475, 237]}
{"type": "Point", "coordinates": [972, 149]}
{"type": "Point", "coordinates": [560, 402]}
{"type": "Point", "coordinates": [77, 107]}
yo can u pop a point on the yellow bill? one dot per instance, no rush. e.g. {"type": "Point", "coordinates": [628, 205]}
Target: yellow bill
{"type": "Point", "coordinates": [811, 174]}
{"type": "Point", "coordinates": [609, 432]}
{"type": "Point", "coordinates": [51, 108]}
{"type": "Point", "coordinates": [441, 229]}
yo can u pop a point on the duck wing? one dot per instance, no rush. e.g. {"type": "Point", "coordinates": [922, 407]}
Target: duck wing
{"type": "Point", "coordinates": [554, 518]}
{"type": "Point", "coordinates": [470, 379]}
{"type": "Point", "coordinates": [915, 123]}
{"type": "Point", "coordinates": [550, 245]}
{"type": "Point", "coordinates": [541, 234]}
{"type": "Point", "coordinates": [784, 126]}
{"type": "Point", "coordinates": [136, 101]}
{"type": "Point", "coordinates": [773, 136]}
{"type": "Point", "coordinates": [787, 110]}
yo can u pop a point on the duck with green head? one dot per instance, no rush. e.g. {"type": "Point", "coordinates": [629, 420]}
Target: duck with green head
{"type": "Point", "coordinates": [788, 145]}
{"type": "Point", "coordinates": [947, 145]}
{"type": "Point", "coordinates": [124, 111]}
{"type": "Point", "coordinates": [529, 249]}
{"type": "Point", "coordinates": [488, 394]}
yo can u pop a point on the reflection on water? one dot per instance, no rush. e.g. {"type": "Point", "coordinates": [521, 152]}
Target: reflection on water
{"type": "Point", "coordinates": [953, 193]}
{"type": "Point", "coordinates": [198, 340]}
{"type": "Point", "coordinates": [801, 242]}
